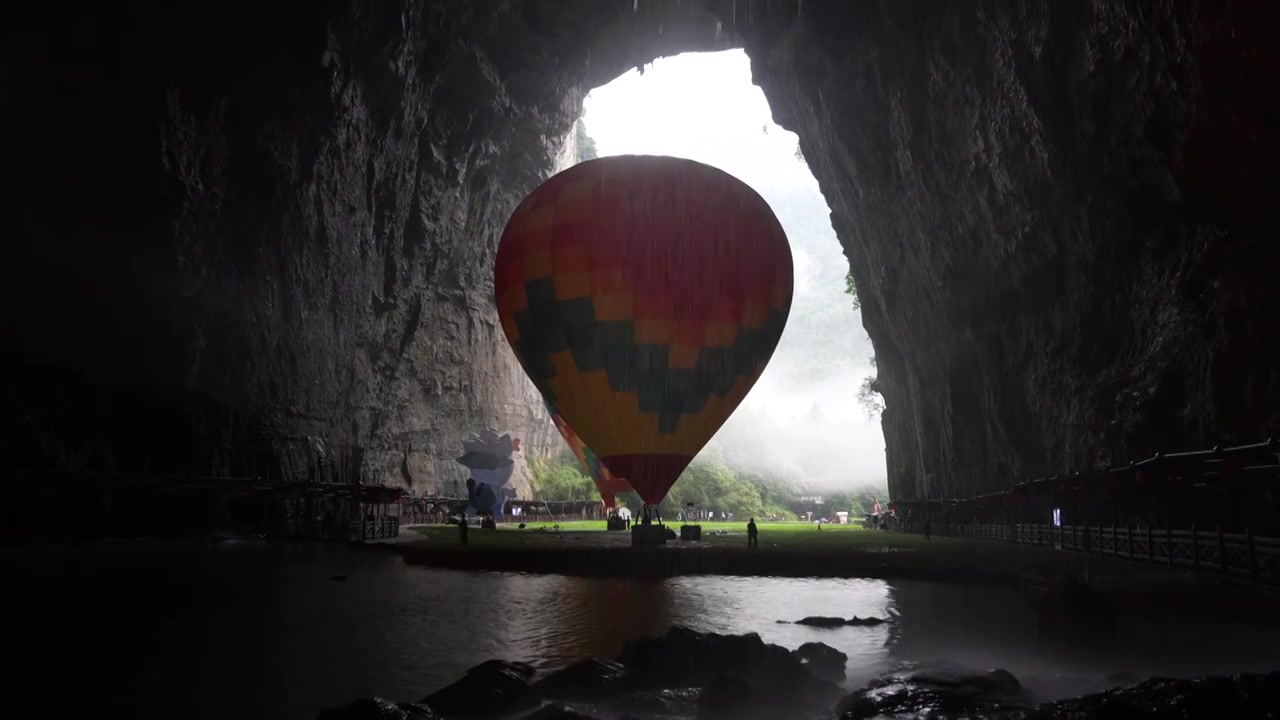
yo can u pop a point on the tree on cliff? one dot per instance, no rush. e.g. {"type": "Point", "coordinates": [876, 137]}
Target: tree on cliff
{"type": "Point", "coordinates": [869, 394]}
{"type": "Point", "coordinates": [586, 144]}
{"type": "Point", "coordinates": [851, 290]}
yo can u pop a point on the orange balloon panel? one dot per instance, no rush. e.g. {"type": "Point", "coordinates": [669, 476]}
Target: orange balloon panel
{"type": "Point", "coordinates": [644, 296]}
{"type": "Point", "coordinates": [606, 482]}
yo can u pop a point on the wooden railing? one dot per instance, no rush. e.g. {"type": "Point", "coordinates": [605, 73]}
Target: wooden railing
{"type": "Point", "coordinates": [376, 528]}
{"type": "Point", "coordinates": [1198, 550]}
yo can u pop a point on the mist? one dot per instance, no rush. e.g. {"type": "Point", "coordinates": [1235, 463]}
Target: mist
{"type": "Point", "coordinates": [802, 421]}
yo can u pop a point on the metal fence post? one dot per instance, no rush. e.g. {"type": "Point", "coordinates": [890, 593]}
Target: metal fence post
{"type": "Point", "coordinates": [1222, 553]}
{"type": "Point", "coordinates": [1195, 550]}
{"type": "Point", "coordinates": [1253, 558]}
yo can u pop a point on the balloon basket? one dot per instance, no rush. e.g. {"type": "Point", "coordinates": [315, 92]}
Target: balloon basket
{"type": "Point", "coordinates": [647, 535]}
{"type": "Point", "coordinates": [691, 533]}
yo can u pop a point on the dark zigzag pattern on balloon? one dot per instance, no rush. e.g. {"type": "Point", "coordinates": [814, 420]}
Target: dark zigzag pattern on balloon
{"type": "Point", "coordinates": [549, 326]}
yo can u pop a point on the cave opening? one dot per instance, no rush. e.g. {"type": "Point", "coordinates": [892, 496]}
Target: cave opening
{"type": "Point", "coordinates": [801, 424]}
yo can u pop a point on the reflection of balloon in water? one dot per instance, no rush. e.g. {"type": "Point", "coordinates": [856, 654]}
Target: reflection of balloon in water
{"type": "Point", "coordinates": [606, 482]}
{"type": "Point", "coordinates": [644, 296]}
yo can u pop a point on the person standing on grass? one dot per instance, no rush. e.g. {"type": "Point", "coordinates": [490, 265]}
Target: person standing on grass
{"type": "Point", "coordinates": [753, 534]}
{"type": "Point", "coordinates": [462, 528]}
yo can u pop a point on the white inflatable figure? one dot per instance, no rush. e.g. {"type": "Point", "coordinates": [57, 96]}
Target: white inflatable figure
{"type": "Point", "coordinates": [488, 457]}
{"type": "Point", "coordinates": [487, 499]}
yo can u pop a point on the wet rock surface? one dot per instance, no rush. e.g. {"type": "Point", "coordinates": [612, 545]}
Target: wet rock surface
{"type": "Point", "coordinates": [684, 658]}
{"type": "Point", "coordinates": [820, 621]}
{"type": "Point", "coordinates": [937, 693]}
{"type": "Point", "coordinates": [822, 660]}
{"type": "Point", "coordinates": [727, 697]}
{"type": "Point", "coordinates": [671, 702]}
{"type": "Point", "coordinates": [1238, 696]}
{"type": "Point", "coordinates": [379, 709]}
{"type": "Point", "coordinates": [557, 711]}
{"type": "Point", "coordinates": [587, 680]}
{"type": "Point", "coordinates": [489, 689]}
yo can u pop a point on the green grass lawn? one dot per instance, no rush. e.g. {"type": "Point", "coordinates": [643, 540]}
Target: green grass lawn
{"type": "Point", "coordinates": [782, 535]}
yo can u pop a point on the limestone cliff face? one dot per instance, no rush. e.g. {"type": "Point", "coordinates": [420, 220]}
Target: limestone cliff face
{"type": "Point", "coordinates": [1060, 218]}
{"type": "Point", "coordinates": [250, 238]}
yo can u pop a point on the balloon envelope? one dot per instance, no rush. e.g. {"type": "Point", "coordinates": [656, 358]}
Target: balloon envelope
{"type": "Point", "coordinates": [606, 482]}
{"type": "Point", "coordinates": [644, 296]}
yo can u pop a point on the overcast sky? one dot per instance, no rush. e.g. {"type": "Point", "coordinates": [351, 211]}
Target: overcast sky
{"type": "Point", "coordinates": [702, 106]}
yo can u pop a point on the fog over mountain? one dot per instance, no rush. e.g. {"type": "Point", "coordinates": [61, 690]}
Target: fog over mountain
{"type": "Point", "coordinates": [802, 420]}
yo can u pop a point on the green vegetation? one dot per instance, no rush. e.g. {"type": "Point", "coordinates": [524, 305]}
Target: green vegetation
{"type": "Point", "coordinates": [851, 290]}
{"type": "Point", "coordinates": [561, 479]}
{"type": "Point", "coordinates": [869, 394]}
{"type": "Point", "coordinates": [710, 484]}
{"type": "Point", "coordinates": [780, 535]}
{"type": "Point", "coordinates": [586, 144]}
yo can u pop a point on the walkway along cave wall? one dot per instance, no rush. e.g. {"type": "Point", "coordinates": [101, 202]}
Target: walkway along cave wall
{"type": "Point", "coordinates": [259, 242]}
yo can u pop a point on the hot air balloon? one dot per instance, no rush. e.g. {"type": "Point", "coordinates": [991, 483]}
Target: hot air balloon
{"type": "Point", "coordinates": [643, 296]}
{"type": "Point", "coordinates": [606, 482]}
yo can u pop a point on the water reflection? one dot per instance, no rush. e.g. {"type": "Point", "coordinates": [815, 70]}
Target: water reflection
{"type": "Point", "coordinates": [264, 631]}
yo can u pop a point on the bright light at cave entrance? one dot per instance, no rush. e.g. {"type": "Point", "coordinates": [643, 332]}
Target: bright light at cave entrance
{"type": "Point", "coordinates": [803, 417]}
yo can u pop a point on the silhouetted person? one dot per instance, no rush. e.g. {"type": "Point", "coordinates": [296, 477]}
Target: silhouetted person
{"type": "Point", "coordinates": [462, 529]}
{"type": "Point", "coordinates": [753, 534]}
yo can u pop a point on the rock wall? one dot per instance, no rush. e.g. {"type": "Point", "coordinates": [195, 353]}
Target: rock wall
{"type": "Point", "coordinates": [1060, 218]}
{"type": "Point", "coordinates": [257, 240]}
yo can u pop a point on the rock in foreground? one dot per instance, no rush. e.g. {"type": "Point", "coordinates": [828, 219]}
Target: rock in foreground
{"type": "Point", "coordinates": [557, 712]}
{"type": "Point", "coordinates": [378, 709]}
{"type": "Point", "coordinates": [822, 660]}
{"type": "Point", "coordinates": [740, 677]}
{"type": "Point", "coordinates": [779, 682]}
{"type": "Point", "coordinates": [821, 621]}
{"type": "Point", "coordinates": [586, 680]}
{"type": "Point", "coordinates": [492, 688]}
{"type": "Point", "coordinates": [937, 694]}
{"type": "Point", "coordinates": [1235, 696]}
